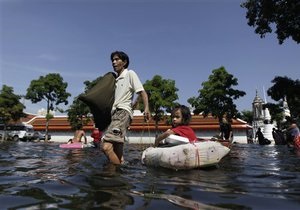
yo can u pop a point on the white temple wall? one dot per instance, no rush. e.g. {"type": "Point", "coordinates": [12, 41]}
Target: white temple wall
{"type": "Point", "coordinates": [148, 137]}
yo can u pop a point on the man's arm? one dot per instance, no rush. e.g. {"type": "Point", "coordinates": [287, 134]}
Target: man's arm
{"type": "Point", "coordinates": [144, 96]}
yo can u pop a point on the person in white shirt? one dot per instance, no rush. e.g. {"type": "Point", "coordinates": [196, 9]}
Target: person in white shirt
{"type": "Point", "coordinates": [127, 84]}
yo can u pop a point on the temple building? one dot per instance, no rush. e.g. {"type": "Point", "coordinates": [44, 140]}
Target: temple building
{"type": "Point", "coordinates": [139, 130]}
{"type": "Point", "coordinates": [258, 114]}
{"type": "Point", "coordinates": [262, 118]}
{"type": "Point", "coordinates": [286, 110]}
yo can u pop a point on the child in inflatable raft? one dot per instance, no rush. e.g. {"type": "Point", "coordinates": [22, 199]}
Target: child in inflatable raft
{"type": "Point", "coordinates": [181, 131]}
{"type": "Point", "coordinates": [181, 117]}
{"type": "Point", "coordinates": [182, 149]}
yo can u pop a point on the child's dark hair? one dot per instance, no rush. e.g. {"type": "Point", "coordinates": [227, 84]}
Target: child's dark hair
{"type": "Point", "coordinates": [123, 56]}
{"type": "Point", "coordinates": [186, 114]}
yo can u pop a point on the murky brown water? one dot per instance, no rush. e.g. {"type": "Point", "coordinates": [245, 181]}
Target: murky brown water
{"type": "Point", "coordinates": [44, 176]}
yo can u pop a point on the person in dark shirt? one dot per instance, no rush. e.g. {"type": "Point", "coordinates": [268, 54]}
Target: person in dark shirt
{"type": "Point", "coordinates": [261, 139]}
{"type": "Point", "coordinates": [226, 130]}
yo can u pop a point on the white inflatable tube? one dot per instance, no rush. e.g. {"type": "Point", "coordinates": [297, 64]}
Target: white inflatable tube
{"type": "Point", "coordinates": [185, 156]}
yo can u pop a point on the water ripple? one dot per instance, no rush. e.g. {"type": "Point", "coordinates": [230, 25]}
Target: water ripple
{"type": "Point", "coordinates": [43, 176]}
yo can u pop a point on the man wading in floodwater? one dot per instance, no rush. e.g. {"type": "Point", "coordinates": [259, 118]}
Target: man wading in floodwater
{"type": "Point", "coordinates": [127, 83]}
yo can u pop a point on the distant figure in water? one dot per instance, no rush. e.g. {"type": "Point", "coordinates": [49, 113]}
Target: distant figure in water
{"type": "Point", "coordinates": [78, 135]}
{"type": "Point", "coordinates": [293, 134]}
{"type": "Point", "coordinates": [278, 137]}
{"type": "Point", "coordinates": [226, 130]}
{"type": "Point", "coordinates": [96, 135]}
{"type": "Point", "coordinates": [261, 139]}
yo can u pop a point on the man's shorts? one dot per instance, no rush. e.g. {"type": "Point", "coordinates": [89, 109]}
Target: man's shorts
{"type": "Point", "coordinates": [117, 129]}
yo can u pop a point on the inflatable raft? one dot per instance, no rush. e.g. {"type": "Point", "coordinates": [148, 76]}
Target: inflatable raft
{"type": "Point", "coordinates": [185, 156]}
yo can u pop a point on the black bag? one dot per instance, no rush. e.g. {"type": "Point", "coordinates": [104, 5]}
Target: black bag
{"type": "Point", "coordinates": [100, 99]}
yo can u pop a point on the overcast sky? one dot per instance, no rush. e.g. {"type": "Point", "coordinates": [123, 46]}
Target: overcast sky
{"type": "Point", "coordinates": [182, 40]}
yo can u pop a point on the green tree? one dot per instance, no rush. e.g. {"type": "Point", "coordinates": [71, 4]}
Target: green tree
{"type": "Point", "coordinates": [286, 87]}
{"type": "Point", "coordinates": [51, 89]}
{"type": "Point", "coordinates": [247, 116]}
{"type": "Point", "coordinates": [162, 95]}
{"type": "Point", "coordinates": [276, 112]}
{"type": "Point", "coordinates": [217, 95]}
{"type": "Point", "coordinates": [11, 109]}
{"type": "Point", "coordinates": [78, 114]}
{"type": "Point", "coordinates": [264, 14]}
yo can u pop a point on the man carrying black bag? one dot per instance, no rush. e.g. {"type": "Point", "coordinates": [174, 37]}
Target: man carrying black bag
{"type": "Point", "coordinates": [121, 112]}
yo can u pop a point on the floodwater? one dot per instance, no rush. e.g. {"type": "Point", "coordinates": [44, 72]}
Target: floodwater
{"type": "Point", "coordinates": [44, 176]}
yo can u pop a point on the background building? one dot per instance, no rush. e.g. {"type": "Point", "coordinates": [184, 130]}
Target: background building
{"type": "Point", "coordinates": [139, 130]}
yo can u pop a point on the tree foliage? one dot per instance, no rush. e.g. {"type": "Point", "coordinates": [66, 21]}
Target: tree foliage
{"type": "Point", "coordinates": [286, 87]}
{"type": "Point", "coordinates": [247, 116]}
{"type": "Point", "coordinates": [217, 95]}
{"type": "Point", "coordinates": [51, 89]}
{"type": "Point", "coordinates": [162, 95]}
{"type": "Point", "coordinates": [78, 114]}
{"type": "Point", "coordinates": [276, 112]}
{"type": "Point", "coordinates": [10, 105]}
{"type": "Point", "coordinates": [11, 109]}
{"type": "Point", "coordinates": [285, 15]}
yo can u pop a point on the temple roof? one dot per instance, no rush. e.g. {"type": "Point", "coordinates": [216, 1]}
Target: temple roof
{"type": "Point", "coordinates": [198, 122]}
{"type": "Point", "coordinates": [257, 99]}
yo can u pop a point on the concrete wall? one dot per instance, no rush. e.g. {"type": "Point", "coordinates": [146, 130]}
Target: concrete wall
{"type": "Point", "coordinates": [63, 137]}
{"type": "Point", "coordinates": [148, 137]}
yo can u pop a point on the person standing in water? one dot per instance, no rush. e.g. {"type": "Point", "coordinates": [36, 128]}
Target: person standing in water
{"type": "Point", "coordinates": [127, 84]}
{"type": "Point", "coordinates": [226, 130]}
{"type": "Point", "coordinates": [293, 134]}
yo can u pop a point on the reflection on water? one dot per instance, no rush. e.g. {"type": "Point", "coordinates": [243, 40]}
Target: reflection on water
{"type": "Point", "coordinates": [44, 176]}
